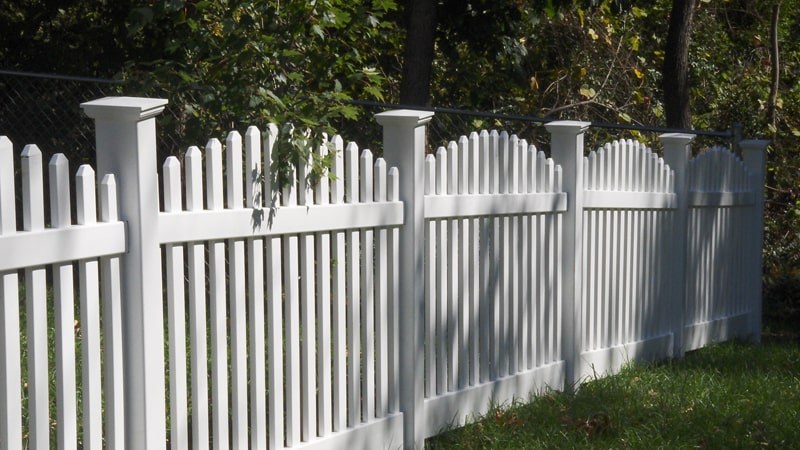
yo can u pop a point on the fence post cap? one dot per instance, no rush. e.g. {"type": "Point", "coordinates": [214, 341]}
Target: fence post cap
{"type": "Point", "coordinates": [676, 138]}
{"type": "Point", "coordinates": [755, 144]}
{"type": "Point", "coordinates": [404, 117]}
{"type": "Point", "coordinates": [124, 108]}
{"type": "Point", "coordinates": [567, 126]}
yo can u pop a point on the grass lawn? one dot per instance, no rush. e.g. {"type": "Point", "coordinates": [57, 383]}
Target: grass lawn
{"type": "Point", "coordinates": [731, 395]}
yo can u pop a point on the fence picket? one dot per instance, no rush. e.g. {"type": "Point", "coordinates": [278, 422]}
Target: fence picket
{"type": "Point", "coordinates": [254, 172]}
{"type": "Point", "coordinates": [353, 274]}
{"type": "Point", "coordinates": [473, 274]}
{"type": "Point", "coordinates": [441, 302]}
{"type": "Point", "coordinates": [176, 313]}
{"type": "Point", "coordinates": [393, 257]}
{"type": "Point", "coordinates": [339, 294]}
{"type": "Point", "coordinates": [430, 320]}
{"type": "Point", "coordinates": [238, 339]}
{"type": "Point", "coordinates": [196, 266]}
{"type": "Point", "coordinates": [10, 359]}
{"type": "Point", "coordinates": [464, 298]}
{"type": "Point", "coordinates": [484, 307]}
{"type": "Point", "coordinates": [275, 345]}
{"type": "Point", "coordinates": [10, 373]}
{"type": "Point", "coordinates": [89, 270]}
{"type": "Point", "coordinates": [323, 283]}
{"type": "Point", "coordinates": [217, 303]}
{"type": "Point", "coordinates": [63, 290]}
{"type": "Point", "coordinates": [366, 193]}
{"type": "Point", "coordinates": [451, 272]}
{"type": "Point", "coordinates": [111, 295]}
{"type": "Point", "coordinates": [381, 298]}
{"type": "Point", "coordinates": [308, 347]}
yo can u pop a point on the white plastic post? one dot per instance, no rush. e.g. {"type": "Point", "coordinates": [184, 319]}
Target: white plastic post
{"type": "Point", "coordinates": [126, 148]}
{"type": "Point", "coordinates": [567, 150]}
{"type": "Point", "coordinates": [677, 152]}
{"type": "Point", "coordinates": [404, 148]}
{"type": "Point", "coordinates": [754, 156]}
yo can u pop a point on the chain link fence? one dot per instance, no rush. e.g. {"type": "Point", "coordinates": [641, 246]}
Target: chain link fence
{"type": "Point", "coordinates": [45, 110]}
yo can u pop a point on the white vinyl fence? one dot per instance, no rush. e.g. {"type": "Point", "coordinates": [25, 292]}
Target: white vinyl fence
{"type": "Point", "coordinates": [198, 307]}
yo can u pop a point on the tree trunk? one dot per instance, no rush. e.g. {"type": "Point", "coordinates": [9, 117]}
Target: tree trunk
{"type": "Point", "coordinates": [676, 65]}
{"type": "Point", "coordinates": [418, 58]}
{"type": "Point", "coordinates": [772, 103]}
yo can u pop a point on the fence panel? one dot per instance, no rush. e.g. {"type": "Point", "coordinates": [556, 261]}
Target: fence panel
{"type": "Point", "coordinates": [722, 203]}
{"type": "Point", "coordinates": [310, 318]}
{"type": "Point", "coordinates": [46, 328]}
{"type": "Point", "coordinates": [629, 201]}
{"type": "Point", "coordinates": [492, 312]}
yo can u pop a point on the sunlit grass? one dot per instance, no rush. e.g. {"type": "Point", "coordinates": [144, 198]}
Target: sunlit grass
{"type": "Point", "coordinates": [731, 395]}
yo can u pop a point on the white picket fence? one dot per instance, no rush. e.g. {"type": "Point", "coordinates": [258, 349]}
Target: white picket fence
{"type": "Point", "coordinates": [371, 310]}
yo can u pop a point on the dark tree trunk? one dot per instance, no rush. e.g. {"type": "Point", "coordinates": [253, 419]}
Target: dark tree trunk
{"type": "Point", "coordinates": [418, 58]}
{"type": "Point", "coordinates": [676, 65]}
{"type": "Point", "coordinates": [772, 103]}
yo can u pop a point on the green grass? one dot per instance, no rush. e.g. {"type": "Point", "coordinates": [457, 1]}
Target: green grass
{"type": "Point", "coordinates": [730, 395]}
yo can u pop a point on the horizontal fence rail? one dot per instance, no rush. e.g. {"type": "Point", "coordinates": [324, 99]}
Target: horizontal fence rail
{"type": "Point", "coordinates": [196, 304]}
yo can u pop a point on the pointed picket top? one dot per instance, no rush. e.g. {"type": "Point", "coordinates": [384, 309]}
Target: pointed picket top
{"type": "Point", "coordinates": [379, 181]}
{"type": "Point", "coordinates": [305, 195]}
{"type": "Point", "coordinates": [172, 184]}
{"type": "Point", "coordinates": [512, 169]}
{"type": "Point", "coordinates": [337, 171]}
{"type": "Point", "coordinates": [60, 205]}
{"type": "Point", "coordinates": [463, 165]}
{"type": "Point", "coordinates": [483, 162]}
{"type": "Point", "coordinates": [474, 158]}
{"type": "Point", "coordinates": [214, 174]}
{"type": "Point", "coordinates": [530, 168]}
{"type": "Point", "coordinates": [494, 162]}
{"type": "Point", "coordinates": [541, 180]}
{"type": "Point", "coordinates": [366, 189]}
{"type": "Point", "coordinates": [254, 171]}
{"type": "Point", "coordinates": [351, 173]}
{"type": "Point", "coordinates": [233, 164]}
{"type": "Point", "coordinates": [452, 168]}
{"type": "Point", "coordinates": [109, 211]}
{"type": "Point", "coordinates": [85, 195]}
{"type": "Point", "coordinates": [193, 168]}
{"type": "Point", "coordinates": [393, 185]}
{"type": "Point", "coordinates": [8, 215]}
{"type": "Point", "coordinates": [270, 137]}
{"type": "Point", "coordinates": [323, 184]}
{"type": "Point", "coordinates": [430, 174]}
{"type": "Point", "coordinates": [32, 189]}
{"type": "Point", "coordinates": [440, 182]}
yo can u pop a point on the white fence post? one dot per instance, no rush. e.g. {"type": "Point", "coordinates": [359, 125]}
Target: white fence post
{"type": "Point", "coordinates": [404, 147]}
{"type": "Point", "coordinates": [567, 150]}
{"type": "Point", "coordinates": [126, 147]}
{"type": "Point", "coordinates": [754, 156]}
{"type": "Point", "coordinates": [677, 152]}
